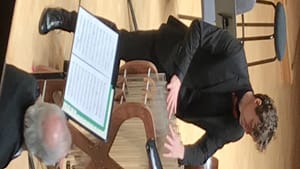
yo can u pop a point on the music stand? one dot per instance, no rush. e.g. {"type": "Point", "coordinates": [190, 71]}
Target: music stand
{"type": "Point", "coordinates": [92, 74]}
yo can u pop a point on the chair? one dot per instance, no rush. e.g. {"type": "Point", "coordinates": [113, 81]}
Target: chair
{"type": "Point", "coordinates": [243, 6]}
{"type": "Point", "coordinates": [138, 67]}
{"type": "Point", "coordinates": [279, 34]}
{"type": "Point", "coordinates": [209, 14]}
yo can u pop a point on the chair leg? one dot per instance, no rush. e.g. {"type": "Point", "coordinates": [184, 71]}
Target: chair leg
{"type": "Point", "coordinates": [243, 28]}
{"type": "Point", "coordinates": [259, 24]}
{"type": "Point", "coordinates": [243, 24]}
{"type": "Point", "coordinates": [188, 17]}
{"type": "Point", "coordinates": [262, 61]}
{"type": "Point", "coordinates": [135, 26]}
{"type": "Point", "coordinates": [255, 24]}
{"type": "Point", "coordinates": [267, 37]}
{"type": "Point", "coordinates": [266, 3]}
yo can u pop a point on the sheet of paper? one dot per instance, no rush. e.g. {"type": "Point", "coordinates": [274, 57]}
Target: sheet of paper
{"type": "Point", "coordinates": [89, 93]}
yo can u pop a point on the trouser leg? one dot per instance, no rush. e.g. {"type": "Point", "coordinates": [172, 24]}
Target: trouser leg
{"type": "Point", "coordinates": [139, 45]}
{"type": "Point", "coordinates": [73, 19]}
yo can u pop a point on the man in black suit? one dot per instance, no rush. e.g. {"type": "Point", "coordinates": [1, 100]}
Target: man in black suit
{"type": "Point", "coordinates": [26, 123]}
{"type": "Point", "coordinates": [208, 82]}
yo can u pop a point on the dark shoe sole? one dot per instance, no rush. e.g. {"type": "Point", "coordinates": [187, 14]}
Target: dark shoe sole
{"type": "Point", "coordinates": [42, 25]}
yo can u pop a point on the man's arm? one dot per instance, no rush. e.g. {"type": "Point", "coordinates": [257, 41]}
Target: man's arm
{"type": "Point", "coordinates": [206, 37]}
{"type": "Point", "coordinates": [209, 143]}
{"type": "Point", "coordinates": [195, 154]}
{"type": "Point", "coordinates": [198, 153]}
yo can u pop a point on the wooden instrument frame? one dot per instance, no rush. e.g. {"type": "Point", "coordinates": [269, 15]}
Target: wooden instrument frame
{"type": "Point", "coordinates": [99, 151]}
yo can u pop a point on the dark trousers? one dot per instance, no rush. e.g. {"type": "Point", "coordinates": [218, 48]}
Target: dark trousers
{"type": "Point", "coordinates": [139, 45]}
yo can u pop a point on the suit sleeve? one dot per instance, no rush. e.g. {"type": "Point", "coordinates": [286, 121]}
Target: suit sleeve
{"type": "Point", "coordinates": [198, 153]}
{"type": "Point", "coordinates": [206, 37]}
{"type": "Point", "coordinates": [208, 144]}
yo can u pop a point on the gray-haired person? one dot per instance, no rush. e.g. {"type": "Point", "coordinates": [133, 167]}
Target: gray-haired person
{"type": "Point", "coordinates": [26, 123]}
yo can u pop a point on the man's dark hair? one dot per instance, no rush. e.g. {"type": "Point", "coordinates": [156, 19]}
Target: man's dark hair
{"type": "Point", "coordinates": [264, 131]}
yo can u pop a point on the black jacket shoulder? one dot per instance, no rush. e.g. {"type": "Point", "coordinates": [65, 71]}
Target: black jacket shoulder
{"type": "Point", "coordinates": [19, 91]}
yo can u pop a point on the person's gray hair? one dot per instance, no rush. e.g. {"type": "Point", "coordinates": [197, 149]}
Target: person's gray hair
{"type": "Point", "coordinates": [266, 130]}
{"type": "Point", "coordinates": [34, 132]}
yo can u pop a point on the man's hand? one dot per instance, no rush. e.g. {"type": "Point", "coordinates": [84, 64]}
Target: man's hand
{"type": "Point", "coordinates": [173, 88]}
{"type": "Point", "coordinates": [175, 149]}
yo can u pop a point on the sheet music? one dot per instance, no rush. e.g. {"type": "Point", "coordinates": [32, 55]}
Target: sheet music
{"type": "Point", "coordinates": [89, 92]}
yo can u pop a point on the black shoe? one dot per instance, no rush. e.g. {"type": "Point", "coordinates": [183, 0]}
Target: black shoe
{"type": "Point", "coordinates": [57, 18]}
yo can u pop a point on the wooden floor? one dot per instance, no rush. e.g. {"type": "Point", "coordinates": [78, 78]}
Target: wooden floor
{"type": "Point", "coordinates": [279, 79]}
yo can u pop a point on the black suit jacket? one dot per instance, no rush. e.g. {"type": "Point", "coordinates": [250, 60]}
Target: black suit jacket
{"type": "Point", "coordinates": [203, 56]}
{"type": "Point", "coordinates": [19, 91]}
{"type": "Point", "coordinates": [211, 65]}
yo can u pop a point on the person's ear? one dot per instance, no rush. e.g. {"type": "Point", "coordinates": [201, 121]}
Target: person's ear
{"type": "Point", "coordinates": [258, 101]}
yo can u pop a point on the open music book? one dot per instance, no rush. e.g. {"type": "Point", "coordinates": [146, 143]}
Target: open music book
{"type": "Point", "coordinates": [92, 72]}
